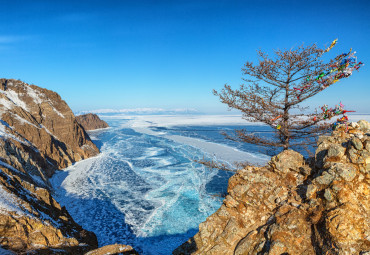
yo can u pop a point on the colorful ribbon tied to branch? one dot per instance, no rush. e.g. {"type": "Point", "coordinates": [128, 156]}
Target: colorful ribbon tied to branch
{"type": "Point", "coordinates": [276, 117]}
{"type": "Point", "coordinates": [328, 113]}
{"type": "Point", "coordinates": [331, 45]}
{"type": "Point", "coordinates": [278, 126]}
{"type": "Point", "coordinates": [342, 120]}
{"type": "Point", "coordinates": [342, 68]}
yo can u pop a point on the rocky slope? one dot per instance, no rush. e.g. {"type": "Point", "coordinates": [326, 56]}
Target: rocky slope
{"type": "Point", "coordinates": [293, 206]}
{"type": "Point", "coordinates": [91, 121]}
{"type": "Point", "coordinates": [38, 135]}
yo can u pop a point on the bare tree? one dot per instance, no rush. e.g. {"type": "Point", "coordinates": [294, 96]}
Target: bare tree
{"type": "Point", "coordinates": [276, 86]}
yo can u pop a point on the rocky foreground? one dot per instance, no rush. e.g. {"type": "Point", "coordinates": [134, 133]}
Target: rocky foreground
{"type": "Point", "coordinates": [39, 134]}
{"type": "Point", "coordinates": [91, 121]}
{"type": "Point", "coordinates": [294, 206]}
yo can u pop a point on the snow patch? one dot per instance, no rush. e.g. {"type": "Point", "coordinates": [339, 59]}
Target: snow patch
{"type": "Point", "coordinates": [9, 167]}
{"type": "Point", "coordinates": [34, 95]}
{"type": "Point", "coordinates": [9, 202]}
{"type": "Point", "coordinates": [48, 131]}
{"type": "Point", "coordinates": [38, 100]}
{"type": "Point", "coordinates": [14, 98]}
{"type": "Point", "coordinates": [85, 146]}
{"type": "Point", "coordinates": [6, 135]}
{"type": "Point", "coordinates": [58, 112]}
{"type": "Point", "coordinates": [37, 179]}
{"type": "Point", "coordinates": [6, 103]}
{"type": "Point", "coordinates": [23, 121]}
{"type": "Point", "coordinates": [2, 130]}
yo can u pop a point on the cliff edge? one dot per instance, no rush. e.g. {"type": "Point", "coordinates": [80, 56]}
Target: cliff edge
{"type": "Point", "coordinates": [294, 206]}
{"type": "Point", "coordinates": [38, 135]}
{"type": "Point", "coordinates": [91, 121]}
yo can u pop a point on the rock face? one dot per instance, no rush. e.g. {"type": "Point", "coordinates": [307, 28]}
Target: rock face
{"type": "Point", "coordinates": [38, 135]}
{"type": "Point", "coordinates": [41, 119]}
{"type": "Point", "coordinates": [91, 121]}
{"type": "Point", "coordinates": [293, 206]}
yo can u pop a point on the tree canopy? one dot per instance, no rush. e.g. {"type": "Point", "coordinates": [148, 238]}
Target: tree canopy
{"type": "Point", "coordinates": [276, 86]}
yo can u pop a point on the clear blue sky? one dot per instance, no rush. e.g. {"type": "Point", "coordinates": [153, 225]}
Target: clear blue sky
{"type": "Point", "coordinates": [171, 54]}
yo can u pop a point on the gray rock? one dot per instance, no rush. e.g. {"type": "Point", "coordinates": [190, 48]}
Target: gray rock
{"type": "Point", "coordinates": [357, 143]}
{"type": "Point", "coordinates": [286, 161]}
{"type": "Point", "coordinates": [335, 152]}
{"type": "Point", "coordinates": [328, 196]}
{"type": "Point", "coordinates": [324, 179]}
{"type": "Point", "coordinates": [367, 145]}
{"type": "Point", "coordinates": [324, 138]}
{"type": "Point", "coordinates": [346, 171]}
{"type": "Point", "coordinates": [320, 153]}
{"type": "Point", "coordinates": [352, 154]}
{"type": "Point", "coordinates": [336, 188]}
{"type": "Point", "coordinates": [365, 154]}
{"type": "Point", "coordinates": [311, 190]}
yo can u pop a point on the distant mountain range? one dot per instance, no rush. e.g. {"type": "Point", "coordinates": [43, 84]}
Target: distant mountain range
{"type": "Point", "coordinates": [141, 111]}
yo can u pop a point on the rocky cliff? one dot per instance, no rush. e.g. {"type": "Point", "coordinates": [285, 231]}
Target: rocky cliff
{"type": "Point", "coordinates": [91, 121]}
{"type": "Point", "coordinates": [296, 206]}
{"type": "Point", "coordinates": [38, 135]}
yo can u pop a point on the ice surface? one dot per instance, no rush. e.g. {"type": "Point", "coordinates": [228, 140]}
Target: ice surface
{"type": "Point", "coordinates": [144, 189]}
{"type": "Point", "coordinates": [144, 124]}
{"type": "Point", "coordinates": [357, 117]}
{"type": "Point", "coordinates": [183, 120]}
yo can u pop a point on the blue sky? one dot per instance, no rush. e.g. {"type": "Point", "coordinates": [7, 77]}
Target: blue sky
{"type": "Point", "coordinates": [171, 54]}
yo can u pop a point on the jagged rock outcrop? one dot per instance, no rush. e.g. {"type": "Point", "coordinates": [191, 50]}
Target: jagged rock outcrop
{"type": "Point", "coordinates": [38, 134]}
{"type": "Point", "coordinates": [41, 119]}
{"type": "Point", "coordinates": [91, 121]}
{"type": "Point", "coordinates": [293, 206]}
